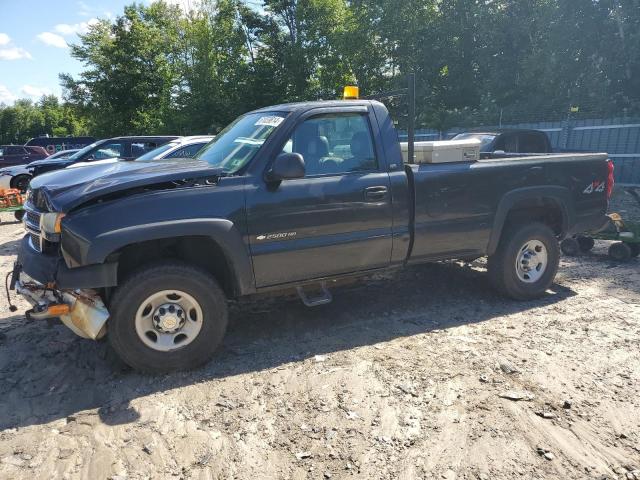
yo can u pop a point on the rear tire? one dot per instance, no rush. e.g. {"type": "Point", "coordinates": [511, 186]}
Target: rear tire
{"type": "Point", "coordinates": [620, 252]}
{"type": "Point", "coordinates": [635, 249]}
{"type": "Point", "coordinates": [167, 317]}
{"type": "Point", "coordinates": [525, 262]}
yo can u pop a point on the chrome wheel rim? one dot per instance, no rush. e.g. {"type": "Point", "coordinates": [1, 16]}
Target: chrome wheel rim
{"type": "Point", "coordinates": [532, 261]}
{"type": "Point", "coordinates": [168, 320]}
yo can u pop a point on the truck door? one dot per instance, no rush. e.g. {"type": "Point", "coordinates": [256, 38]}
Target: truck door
{"type": "Point", "coordinates": [335, 220]}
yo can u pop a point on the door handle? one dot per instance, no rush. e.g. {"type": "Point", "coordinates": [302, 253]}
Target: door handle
{"type": "Point", "coordinates": [375, 193]}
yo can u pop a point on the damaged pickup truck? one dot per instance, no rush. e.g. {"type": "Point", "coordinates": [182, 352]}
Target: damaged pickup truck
{"type": "Point", "coordinates": [287, 197]}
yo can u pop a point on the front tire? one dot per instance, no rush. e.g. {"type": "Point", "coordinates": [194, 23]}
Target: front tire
{"type": "Point", "coordinates": [167, 317]}
{"type": "Point", "coordinates": [20, 182]}
{"type": "Point", "coordinates": [525, 262]}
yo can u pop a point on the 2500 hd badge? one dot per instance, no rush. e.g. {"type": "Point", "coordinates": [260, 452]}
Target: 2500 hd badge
{"type": "Point", "coordinates": [277, 236]}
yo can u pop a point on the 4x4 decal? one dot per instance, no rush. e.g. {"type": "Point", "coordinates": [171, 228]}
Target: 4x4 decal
{"type": "Point", "coordinates": [597, 186]}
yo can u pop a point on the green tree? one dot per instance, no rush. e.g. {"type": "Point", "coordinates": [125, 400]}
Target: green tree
{"type": "Point", "coordinates": [131, 71]}
{"type": "Point", "coordinates": [214, 67]}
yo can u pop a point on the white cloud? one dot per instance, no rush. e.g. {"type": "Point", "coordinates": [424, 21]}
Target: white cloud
{"type": "Point", "coordinates": [86, 10]}
{"type": "Point", "coordinates": [11, 52]}
{"type": "Point", "coordinates": [52, 39]}
{"type": "Point", "coordinates": [75, 28]}
{"type": "Point", "coordinates": [14, 53]}
{"type": "Point", "coordinates": [36, 92]}
{"type": "Point", "coordinates": [6, 96]}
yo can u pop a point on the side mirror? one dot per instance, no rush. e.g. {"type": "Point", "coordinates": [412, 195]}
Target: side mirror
{"type": "Point", "coordinates": [286, 166]}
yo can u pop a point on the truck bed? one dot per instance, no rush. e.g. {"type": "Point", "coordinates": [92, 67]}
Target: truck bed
{"type": "Point", "coordinates": [458, 205]}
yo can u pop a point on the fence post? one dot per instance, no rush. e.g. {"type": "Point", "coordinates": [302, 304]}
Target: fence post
{"type": "Point", "coordinates": [565, 135]}
{"type": "Point", "coordinates": [411, 87]}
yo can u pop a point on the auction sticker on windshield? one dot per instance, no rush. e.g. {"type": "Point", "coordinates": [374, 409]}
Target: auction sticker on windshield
{"type": "Point", "coordinates": [269, 121]}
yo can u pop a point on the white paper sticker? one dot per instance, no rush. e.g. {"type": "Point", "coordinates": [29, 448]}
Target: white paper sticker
{"type": "Point", "coordinates": [269, 121]}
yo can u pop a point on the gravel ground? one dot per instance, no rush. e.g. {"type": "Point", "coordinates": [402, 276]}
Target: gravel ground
{"type": "Point", "coordinates": [402, 376]}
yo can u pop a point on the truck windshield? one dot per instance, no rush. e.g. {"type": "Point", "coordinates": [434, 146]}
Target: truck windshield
{"type": "Point", "coordinates": [237, 144]}
{"type": "Point", "coordinates": [152, 154]}
{"type": "Point", "coordinates": [80, 153]}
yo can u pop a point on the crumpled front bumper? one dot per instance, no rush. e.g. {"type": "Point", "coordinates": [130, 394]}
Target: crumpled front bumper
{"type": "Point", "coordinates": [51, 268]}
{"type": "Point", "coordinates": [56, 291]}
{"type": "Point", "coordinates": [83, 311]}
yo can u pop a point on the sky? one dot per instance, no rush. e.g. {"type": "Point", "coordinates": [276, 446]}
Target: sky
{"type": "Point", "coordinates": [34, 39]}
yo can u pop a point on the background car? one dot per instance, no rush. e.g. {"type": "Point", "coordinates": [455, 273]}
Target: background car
{"type": "Point", "coordinates": [509, 141]}
{"type": "Point", "coordinates": [58, 144]}
{"type": "Point", "coordinates": [19, 176]}
{"type": "Point", "coordinates": [182, 147]}
{"type": "Point", "coordinates": [128, 148]}
{"type": "Point", "coordinates": [19, 155]}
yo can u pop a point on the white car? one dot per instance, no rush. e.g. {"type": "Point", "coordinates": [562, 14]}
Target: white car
{"type": "Point", "coordinates": [182, 147]}
{"type": "Point", "coordinates": [19, 176]}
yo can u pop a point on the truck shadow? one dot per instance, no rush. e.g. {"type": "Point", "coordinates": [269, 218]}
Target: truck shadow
{"type": "Point", "coordinates": [8, 249]}
{"type": "Point", "coordinates": [618, 279]}
{"type": "Point", "coordinates": [47, 374]}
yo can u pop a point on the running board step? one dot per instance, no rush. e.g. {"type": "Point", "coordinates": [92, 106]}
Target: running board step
{"type": "Point", "coordinates": [322, 298]}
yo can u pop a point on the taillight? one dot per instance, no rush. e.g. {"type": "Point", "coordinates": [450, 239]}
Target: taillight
{"type": "Point", "coordinates": [611, 181]}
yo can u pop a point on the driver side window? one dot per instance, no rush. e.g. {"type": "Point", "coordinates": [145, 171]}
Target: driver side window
{"type": "Point", "coordinates": [334, 144]}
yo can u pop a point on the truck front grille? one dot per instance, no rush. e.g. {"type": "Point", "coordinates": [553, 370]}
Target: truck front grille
{"type": "Point", "coordinates": [35, 241]}
{"type": "Point", "coordinates": [32, 226]}
{"type": "Point", "coordinates": [33, 218]}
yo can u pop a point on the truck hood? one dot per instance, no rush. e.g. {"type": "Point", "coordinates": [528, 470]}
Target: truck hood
{"type": "Point", "coordinates": [47, 161]}
{"type": "Point", "coordinates": [63, 190]}
{"type": "Point", "coordinates": [96, 162]}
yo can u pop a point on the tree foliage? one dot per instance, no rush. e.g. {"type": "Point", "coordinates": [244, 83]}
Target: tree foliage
{"type": "Point", "coordinates": [26, 119]}
{"type": "Point", "coordinates": [158, 69]}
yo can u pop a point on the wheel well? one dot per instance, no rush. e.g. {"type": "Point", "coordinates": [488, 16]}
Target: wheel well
{"type": "Point", "coordinates": [200, 251]}
{"type": "Point", "coordinates": [544, 210]}
{"type": "Point", "coordinates": [16, 177]}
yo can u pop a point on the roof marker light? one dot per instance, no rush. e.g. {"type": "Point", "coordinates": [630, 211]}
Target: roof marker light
{"type": "Point", "coordinates": [351, 92]}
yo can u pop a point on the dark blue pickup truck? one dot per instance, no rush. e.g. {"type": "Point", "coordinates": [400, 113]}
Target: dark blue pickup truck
{"type": "Point", "coordinates": [290, 196]}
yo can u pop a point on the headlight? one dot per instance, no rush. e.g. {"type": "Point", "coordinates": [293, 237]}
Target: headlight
{"type": "Point", "coordinates": [50, 222]}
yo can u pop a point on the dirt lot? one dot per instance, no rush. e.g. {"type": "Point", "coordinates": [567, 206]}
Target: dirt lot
{"type": "Point", "coordinates": [400, 377]}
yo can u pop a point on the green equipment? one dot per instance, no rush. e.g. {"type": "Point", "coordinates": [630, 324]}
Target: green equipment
{"type": "Point", "coordinates": [625, 234]}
